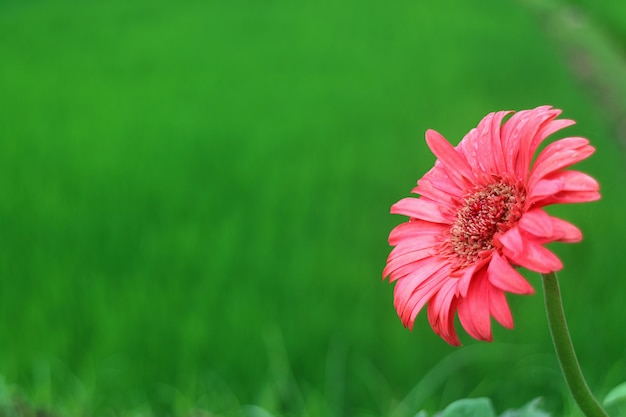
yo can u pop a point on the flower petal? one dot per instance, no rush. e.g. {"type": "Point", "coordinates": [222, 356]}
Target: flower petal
{"type": "Point", "coordinates": [441, 311]}
{"type": "Point", "coordinates": [565, 231]}
{"type": "Point", "coordinates": [413, 245]}
{"type": "Point", "coordinates": [499, 307]}
{"type": "Point", "coordinates": [474, 311]}
{"type": "Point", "coordinates": [537, 222]}
{"type": "Point", "coordinates": [414, 290]}
{"type": "Point", "coordinates": [414, 229]}
{"type": "Point", "coordinates": [437, 186]}
{"type": "Point", "coordinates": [424, 294]}
{"type": "Point", "coordinates": [467, 275]}
{"type": "Point", "coordinates": [526, 252]}
{"type": "Point", "coordinates": [482, 146]}
{"type": "Point", "coordinates": [563, 187]}
{"type": "Point", "coordinates": [549, 128]}
{"type": "Point", "coordinates": [496, 141]}
{"type": "Point", "coordinates": [559, 155]}
{"type": "Point", "coordinates": [503, 276]}
{"type": "Point", "coordinates": [521, 137]}
{"type": "Point", "coordinates": [547, 228]}
{"type": "Point", "coordinates": [571, 197]}
{"type": "Point", "coordinates": [405, 264]}
{"type": "Point", "coordinates": [453, 161]}
{"type": "Point", "coordinates": [419, 208]}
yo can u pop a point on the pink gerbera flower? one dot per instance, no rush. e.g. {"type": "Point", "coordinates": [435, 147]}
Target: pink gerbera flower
{"type": "Point", "coordinates": [480, 215]}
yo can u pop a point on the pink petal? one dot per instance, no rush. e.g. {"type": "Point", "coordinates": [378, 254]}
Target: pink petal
{"type": "Point", "coordinates": [549, 128]}
{"type": "Point", "coordinates": [482, 146]}
{"type": "Point", "coordinates": [559, 155]}
{"type": "Point", "coordinates": [574, 181]}
{"type": "Point", "coordinates": [466, 279]}
{"type": "Point", "coordinates": [413, 245]}
{"type": "Point", "coordinates": [541, 190]}
{"type": "Point", "coordinates": [419, 208]}
{"type": "Point", "coordinates": [537, 222]}
{"type": "Point", "coordinates": [467, 276]}
{"type": "Point", "coordinates": [414, 229]}
{"type": "Point", "coordinates": [571, 197]}
{"type": "Point", "coordinates": [496, 141]}
{"type": "Point", "coordinates": [474, 311]}
{"type": "Point", "coordinates": [415, 289]}
{"type": "Point", "coordinates": [403, 265]}
{"type": "Point", "coordinates": [514, 139]}
{"type": "Point", "coordinates": [502, 275]}
{"type": "Point", "coordinates": [445, 198]}
{"type": "Point", "coordinates": [499, 307]}
{"type": "Point", "coordinates": [522, 138]}
{"type": "Point", "coordinates": [441, 309]}
{"type": "Point", "coordinates": [563, 186]}
{"type": "Point", "coordinates": [547, 228]}
{"type": "Point", "coordinates": [452, 160]}
{"type": "Point", "coordinates": [565, 231]}
{"type": "Point", "coordinates": [524, 251]}
{"type": "Point", "coordinates": [423, 295]}
{"type": "Point", "coordinates": [438, 186]}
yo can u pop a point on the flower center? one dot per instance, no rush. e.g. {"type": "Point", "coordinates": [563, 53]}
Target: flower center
{"type": "Point", "coordinates": [486, 212]}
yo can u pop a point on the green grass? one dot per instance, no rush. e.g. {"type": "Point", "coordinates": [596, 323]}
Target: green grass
{"type": "Point", "coordinates": [194, 205]}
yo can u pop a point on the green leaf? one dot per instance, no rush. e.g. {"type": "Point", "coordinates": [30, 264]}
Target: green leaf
{"type": "Point", "coordinates": [616, 395]}
{"type": "Point", "coordinates": [256, 411]}
{"type": "Point", "coordinates": [470, 407]}
{"type": "Point", "coordinates": [529, 410]}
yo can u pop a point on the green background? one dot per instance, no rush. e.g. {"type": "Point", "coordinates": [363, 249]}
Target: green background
{"type": "Point", "coordinates": [194, 201]}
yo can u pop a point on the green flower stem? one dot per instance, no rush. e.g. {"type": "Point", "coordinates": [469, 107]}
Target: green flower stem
{"type": "Point", "coordinates": [565, 349]}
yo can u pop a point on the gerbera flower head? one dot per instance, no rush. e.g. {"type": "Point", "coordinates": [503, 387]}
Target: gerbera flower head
{"type": "Point", "coordinates": [480, 215]}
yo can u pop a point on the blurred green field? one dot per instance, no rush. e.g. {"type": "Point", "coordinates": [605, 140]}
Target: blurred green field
{"type": "Point", "coordinates": [194, 205]}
